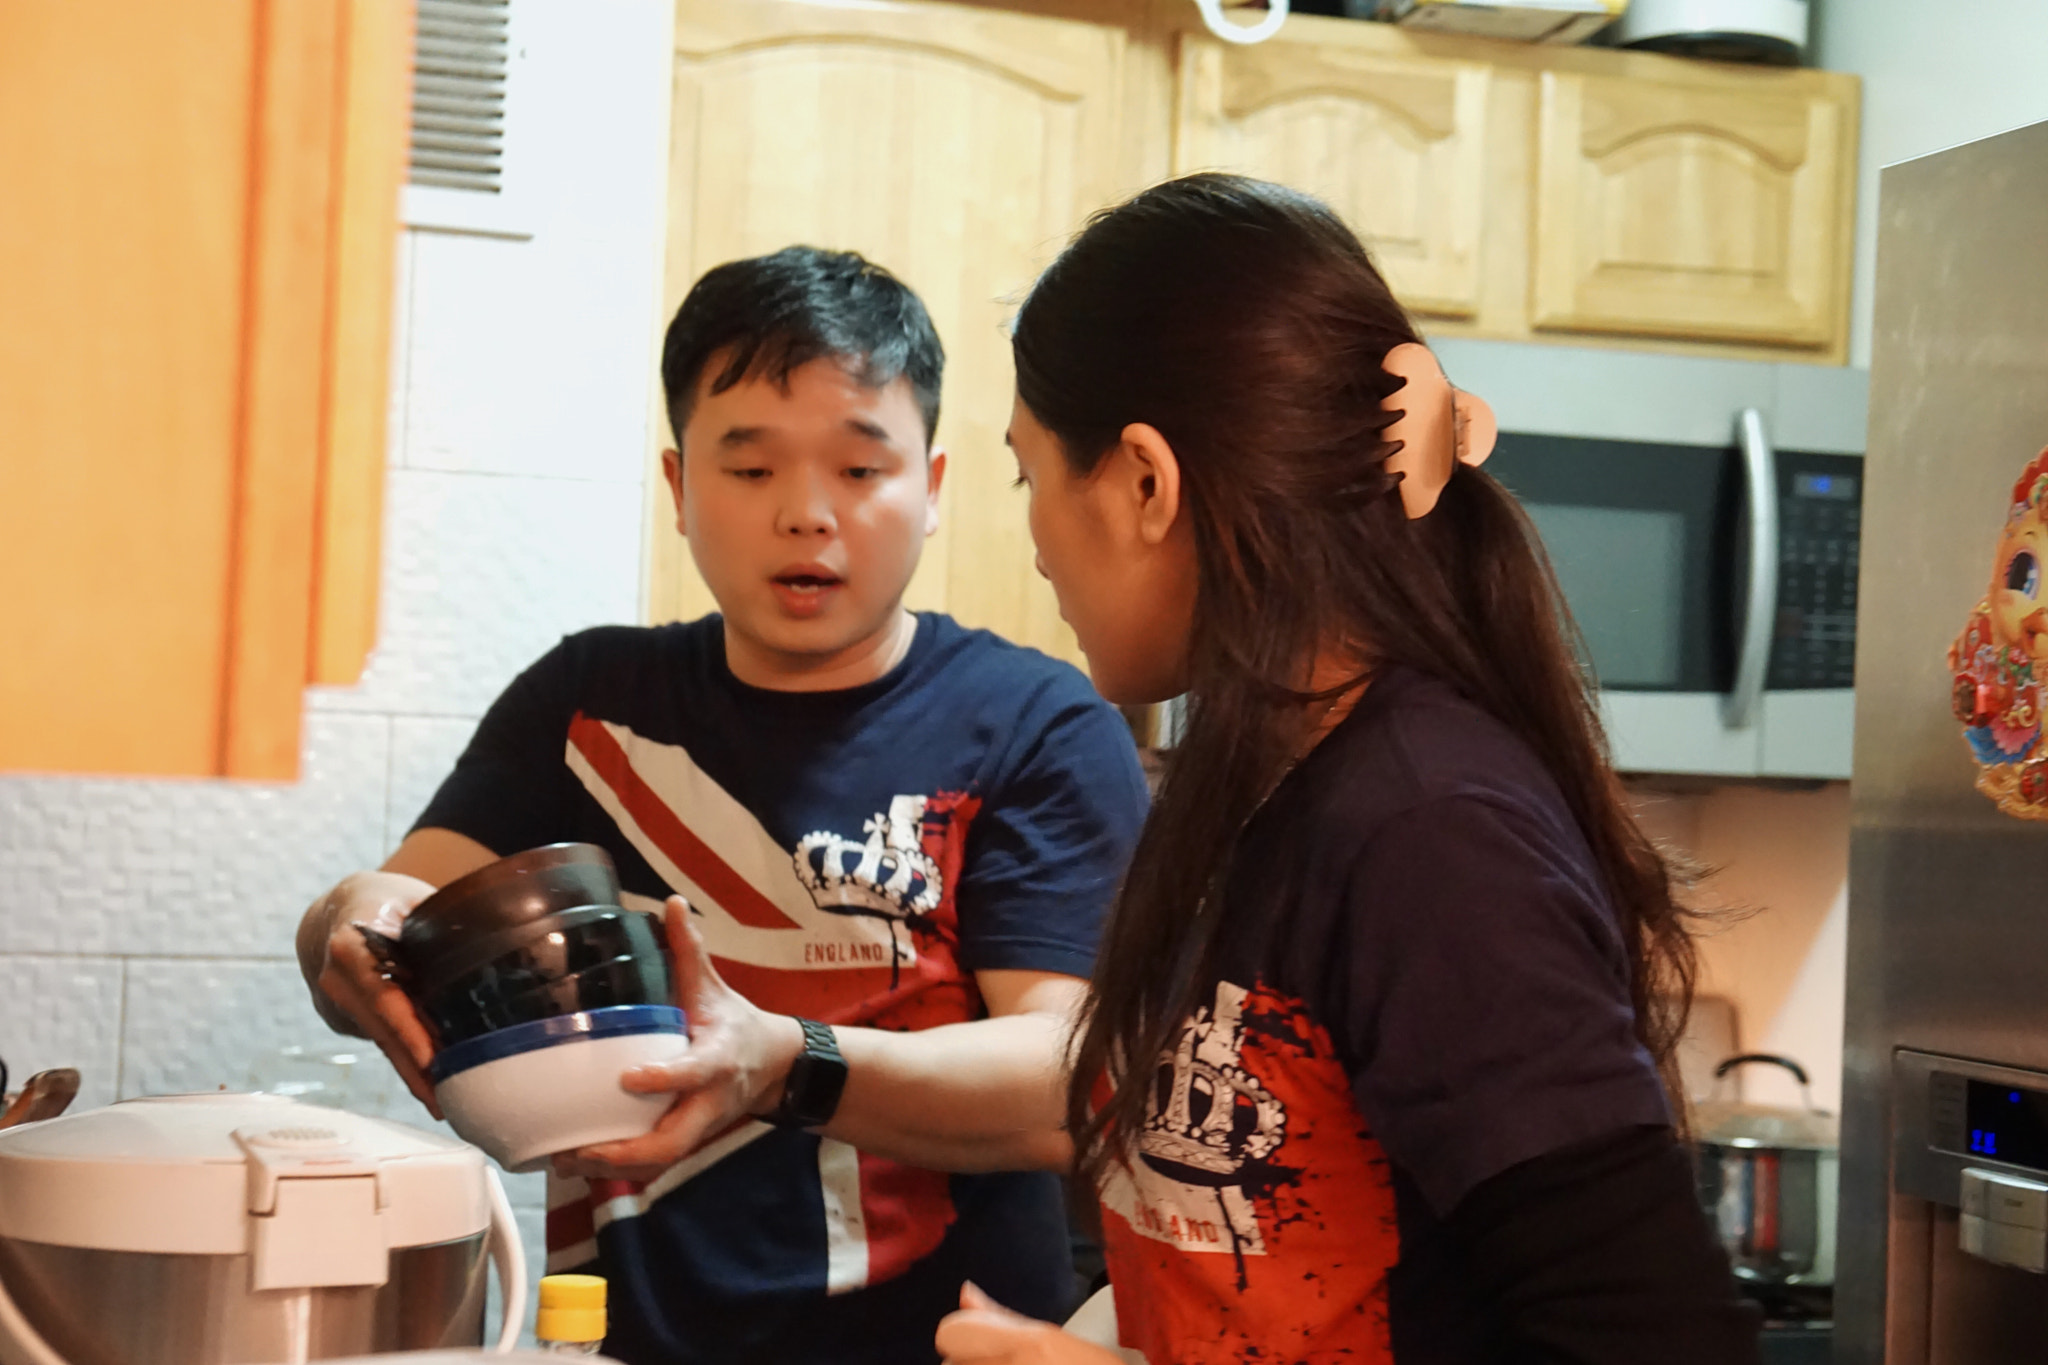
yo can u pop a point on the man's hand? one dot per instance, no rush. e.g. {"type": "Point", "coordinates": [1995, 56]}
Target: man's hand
{"type": "Point", "coordinates": [739, 1055]}
{"type": "Point", "coordinates": [984, 1332]}
{"type": "Point", "coordinates": [349, 989]}
{"type": "Point", "coordinates": [352, 981]}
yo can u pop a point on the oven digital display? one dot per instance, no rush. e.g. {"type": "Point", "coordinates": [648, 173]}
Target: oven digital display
{"type": "Point", "coordinates": [2008, 1124]}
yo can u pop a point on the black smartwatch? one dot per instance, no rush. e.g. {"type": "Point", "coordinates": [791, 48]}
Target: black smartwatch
{"type": "Point", "coordinates": [817, 1078]}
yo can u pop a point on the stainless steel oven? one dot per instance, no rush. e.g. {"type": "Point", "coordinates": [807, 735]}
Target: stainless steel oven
{"type": "Point", "coordinates": [1704, 519]}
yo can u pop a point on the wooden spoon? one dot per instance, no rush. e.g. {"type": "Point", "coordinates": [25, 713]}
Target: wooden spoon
{"type": "Point", "coordinates": [46, 1095]}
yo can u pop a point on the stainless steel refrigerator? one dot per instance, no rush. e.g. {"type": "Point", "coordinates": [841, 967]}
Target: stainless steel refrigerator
{"type": "Point", "coordinates": [1944, 1199]}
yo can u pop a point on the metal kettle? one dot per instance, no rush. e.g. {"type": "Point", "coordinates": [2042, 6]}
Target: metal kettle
{"type": "Point", "coordinates": [1768, 1177]}
{"type": "Point", "coordinates": [244, 1230]}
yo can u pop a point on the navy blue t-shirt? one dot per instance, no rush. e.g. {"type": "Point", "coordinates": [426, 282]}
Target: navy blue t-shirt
{"type": "Point", "coordinates": [851, 856]}
{"type": "Point", "coordinates": [1422, 984]}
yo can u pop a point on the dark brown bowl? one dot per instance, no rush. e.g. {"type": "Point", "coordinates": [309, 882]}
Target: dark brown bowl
{"type": "Point", "coordinates": [507, 894]}
{"type": "Point", "coordinates": [456, 1016]}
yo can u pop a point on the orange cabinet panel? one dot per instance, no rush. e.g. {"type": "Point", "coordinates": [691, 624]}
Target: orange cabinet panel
{"type": "Point", "coordinates": [195, 288]}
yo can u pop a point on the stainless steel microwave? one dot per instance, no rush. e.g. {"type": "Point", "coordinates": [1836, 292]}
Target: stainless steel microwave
{"type": "Point", "coordinates": [1703, 517]}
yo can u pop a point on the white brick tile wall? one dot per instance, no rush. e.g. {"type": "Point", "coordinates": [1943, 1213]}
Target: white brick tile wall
{"type": "Point", "coordinates": [484, 573]}
{"type": "Point", "coordinates": [423, 750]}
{"type": "Point", "coordinates": [62, 1011]}
{"type": "Point", "coordinates": [189, 868]}
{"type": "Point", "coordinates": [202, 1025]}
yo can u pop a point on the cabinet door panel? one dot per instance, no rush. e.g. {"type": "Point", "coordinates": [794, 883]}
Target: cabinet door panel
{"type": "Point", "coordinates": [370, 168]}
{"type": "Point", "coordinates": [958, 148]}
{"type": "Point", "coordinates": [1690, 210]}
{"type": "Point", "coordinates": [1396, 144]}
{"type": "Point", "coordinates": [122, 223]}
{"type": "Point", "coordinates": [169, 409]}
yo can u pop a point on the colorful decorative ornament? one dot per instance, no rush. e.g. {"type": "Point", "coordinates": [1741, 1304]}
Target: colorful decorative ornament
{"type": "Point", "coordinates": [1999, 661]}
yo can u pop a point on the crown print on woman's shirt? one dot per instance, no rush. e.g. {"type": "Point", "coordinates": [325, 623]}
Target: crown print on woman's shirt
{"type": "Point", "coordinates": [1212, 1116]}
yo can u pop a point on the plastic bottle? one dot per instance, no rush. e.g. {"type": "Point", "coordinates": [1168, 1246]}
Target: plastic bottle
{"type": "Point", "coordinates": [571, 1318]}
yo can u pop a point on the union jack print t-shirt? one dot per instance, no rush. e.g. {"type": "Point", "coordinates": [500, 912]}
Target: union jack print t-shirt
{"type": "Point", "coordinates": [851, 856]}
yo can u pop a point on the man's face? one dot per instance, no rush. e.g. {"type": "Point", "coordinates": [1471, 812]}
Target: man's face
{"type": "Point", "coordinates": [806, 508]}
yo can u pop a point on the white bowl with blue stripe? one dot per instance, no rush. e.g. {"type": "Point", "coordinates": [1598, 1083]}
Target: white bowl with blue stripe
{"type": "Point", "coordinates": [527, 1092]}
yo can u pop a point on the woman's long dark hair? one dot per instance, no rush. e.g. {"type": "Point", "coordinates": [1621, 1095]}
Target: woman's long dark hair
{"type": "Point", "coordinates": [1246, 322]}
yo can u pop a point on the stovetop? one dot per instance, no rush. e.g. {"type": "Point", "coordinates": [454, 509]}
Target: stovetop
{"type": "Point", "coordinates": [1798, 1326]}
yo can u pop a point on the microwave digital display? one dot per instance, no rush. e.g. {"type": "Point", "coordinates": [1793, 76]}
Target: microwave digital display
{"type": "Point", "coordinates": [1840, 487]}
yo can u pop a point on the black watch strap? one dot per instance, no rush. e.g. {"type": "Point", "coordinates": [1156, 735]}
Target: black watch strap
{"type": "Point", "coordinates": [810, 1094]}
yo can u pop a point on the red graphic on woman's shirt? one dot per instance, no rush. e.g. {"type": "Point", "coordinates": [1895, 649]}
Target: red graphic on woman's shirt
{"type": "Point", "coordinates": [1258, 1220]}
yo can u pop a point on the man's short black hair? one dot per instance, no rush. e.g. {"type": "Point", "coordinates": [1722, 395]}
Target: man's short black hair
{"type": "Point", "coordinates": [767, 315]}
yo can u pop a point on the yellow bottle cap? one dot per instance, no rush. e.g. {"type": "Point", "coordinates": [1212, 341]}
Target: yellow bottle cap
{"type": "Point", "coordinates": [571, 1308]}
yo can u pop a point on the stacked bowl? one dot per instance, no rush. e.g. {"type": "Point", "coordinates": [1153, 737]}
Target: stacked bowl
{"type": "Point", "coordinates": [539, 988]}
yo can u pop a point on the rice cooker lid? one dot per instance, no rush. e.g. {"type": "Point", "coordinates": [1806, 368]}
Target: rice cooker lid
{"type": "Point", "coordinates": [222, 1175]}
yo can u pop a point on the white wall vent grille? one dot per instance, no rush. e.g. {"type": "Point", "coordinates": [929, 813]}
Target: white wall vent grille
{"type": "Point", "coordinates": [458, 93]}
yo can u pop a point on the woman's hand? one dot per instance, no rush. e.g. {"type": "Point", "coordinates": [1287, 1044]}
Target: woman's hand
{"type": "Point", "coordinates": [984, 1332]}
{"type": "Point", "coordinates": [739, 1056]}
{"type": "Point", "coordinates": [352, 981]}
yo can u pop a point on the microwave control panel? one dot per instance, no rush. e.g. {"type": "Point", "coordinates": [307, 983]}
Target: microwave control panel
{"type": "Point", "coordinates": [1820, 523]}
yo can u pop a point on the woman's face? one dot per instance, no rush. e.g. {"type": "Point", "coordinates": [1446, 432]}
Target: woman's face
{"type": "Point", "coordinates": [1118, 551]}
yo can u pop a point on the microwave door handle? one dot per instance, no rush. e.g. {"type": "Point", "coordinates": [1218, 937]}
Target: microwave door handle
{"type": "Point", "coordinates": [1753, 627]}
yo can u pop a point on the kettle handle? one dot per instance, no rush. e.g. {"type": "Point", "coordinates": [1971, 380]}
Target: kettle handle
{"type": "Point", "coordinates": [509, 1255]}
{"type": "Point", "coordinates": [1772, 1059]}
{"type": "Point", "coordinates": [1798, 1071]}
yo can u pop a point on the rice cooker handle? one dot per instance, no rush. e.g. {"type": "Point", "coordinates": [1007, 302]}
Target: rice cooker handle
{"type": "Point", "coordinates": [509, 1255]}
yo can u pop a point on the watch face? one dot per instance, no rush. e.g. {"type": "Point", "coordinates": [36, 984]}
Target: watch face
{"type": "Point", "coordinates": [810, 1096]}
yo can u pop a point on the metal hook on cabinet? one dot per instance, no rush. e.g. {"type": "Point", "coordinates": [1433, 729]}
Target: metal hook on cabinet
{"type": "Point", "coordinates": [1212, 15]}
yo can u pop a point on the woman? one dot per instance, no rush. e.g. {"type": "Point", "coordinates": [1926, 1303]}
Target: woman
{"type": "Point", "coordinates": [1379, 1045]}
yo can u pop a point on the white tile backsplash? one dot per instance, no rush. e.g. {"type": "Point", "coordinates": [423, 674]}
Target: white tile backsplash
{"type": "Point", "coordinates": [423, 750]}
{"type": "Point", "coordinates": [189, 868]}
{"type": "Point", "coordinates": [483, 574]}
{"type": "Point", "coordinates": [62, 1011]}
{"type": "Point", "coordinates": [203, 1025]}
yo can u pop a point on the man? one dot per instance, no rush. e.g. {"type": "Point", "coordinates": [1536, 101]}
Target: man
{"type": "Point", "coordinates": [881, 821]}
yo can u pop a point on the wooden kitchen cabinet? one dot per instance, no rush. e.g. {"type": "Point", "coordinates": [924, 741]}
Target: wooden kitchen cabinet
{"type": "Point", "coordinates": [197, 240]}
{"type": "Point", "coordinates": [1528, 192]}
{"type": "Point", "coordinates": [1394, 141]}
{"type": "Point", "coordinates": [958, 147]}
{"type": "Point", "coordinates": [1709, 203]}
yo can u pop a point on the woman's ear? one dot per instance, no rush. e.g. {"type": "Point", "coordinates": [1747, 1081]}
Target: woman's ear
{"type": "Point", "coordinates": [1150, 474]}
